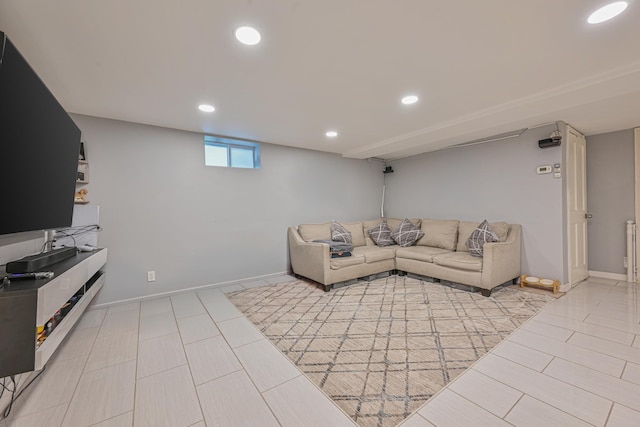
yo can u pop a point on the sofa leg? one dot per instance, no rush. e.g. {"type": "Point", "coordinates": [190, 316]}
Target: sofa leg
{"type": "Point", "coordinates": [327, 288]}
{"type": "Point", "coordinates": [485, 292]}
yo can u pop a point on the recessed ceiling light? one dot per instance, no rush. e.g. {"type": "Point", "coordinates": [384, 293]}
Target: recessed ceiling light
{"type": "Point", "coordinates": [410, 99]}
{"type": "Point", "coordinates": [332, 134]}
{"type": "Point", "coordinates": [607, 12]}
{"type": "Point", "coordinates": [206, 108]}
{"type": "Point", "coordinates": [248, 35]}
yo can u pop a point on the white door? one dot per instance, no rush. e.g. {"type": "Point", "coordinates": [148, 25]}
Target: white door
{"type": "Point", "coordinates": [577, 206]}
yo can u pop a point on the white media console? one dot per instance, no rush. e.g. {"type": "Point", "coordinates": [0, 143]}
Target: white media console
{"type": "Point", "coordinates": [27, 305]}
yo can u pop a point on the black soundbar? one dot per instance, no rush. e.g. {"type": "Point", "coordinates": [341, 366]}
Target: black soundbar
{"type": "Point", "coordinates": [33, 263]}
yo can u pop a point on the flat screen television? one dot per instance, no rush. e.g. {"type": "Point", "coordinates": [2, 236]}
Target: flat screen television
{"type": "Point", "coordinates": [39, 147]}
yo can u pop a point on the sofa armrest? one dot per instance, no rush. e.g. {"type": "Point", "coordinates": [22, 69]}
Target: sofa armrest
{"type": "Point", "coordinates": [501, 260]}
{"type": "Point", "coordinates": [308, 259]}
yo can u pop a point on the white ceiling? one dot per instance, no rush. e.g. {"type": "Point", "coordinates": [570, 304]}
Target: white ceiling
{"type": "Point", "coordinates": [480, 67]}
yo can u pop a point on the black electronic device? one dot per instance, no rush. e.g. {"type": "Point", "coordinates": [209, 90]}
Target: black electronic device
{"type": "Point", "coordinates": [38, 262]}
{"type": "Point", "coordinates": [387, 169]}
{"type": "Point", "coordinates": [549, 142]}
{"type": "Point", "coordinates": [39, 149]}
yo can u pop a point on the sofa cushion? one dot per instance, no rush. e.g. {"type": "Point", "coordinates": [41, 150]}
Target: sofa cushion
{"type": "Point", "coordinates": [395, 222]}
{"type": "Point", "coordinates": [465, 228]}
{"type": "Point", "coordinates": [368, 225]}
{"type": "Point", "coordinates": [357, 232]}
{"type": "Point", "coordinates": [481, 235]}
{"type": "Point", "coordinates": [459, 260]}
{"type": "Point", "coordinates": [311, 232]}
{"type": "Point", "coordinates": [381, 235]}
{"type": "Point", "coordinates": [340, 234]}
{"type": "Point", "coordinates": [420, 253]}
{"type": "Point", "coordinates": [439, 233]}
{"type": "Point", "coordinates": [338, 263]}
{"type": "Point", "coordinates": [406, 233]}
{"type": "Point", "coordinates": [375, 253]}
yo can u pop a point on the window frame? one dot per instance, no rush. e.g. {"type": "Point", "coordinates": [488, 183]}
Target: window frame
{"type": "Point", "coordinates": [228, 144]}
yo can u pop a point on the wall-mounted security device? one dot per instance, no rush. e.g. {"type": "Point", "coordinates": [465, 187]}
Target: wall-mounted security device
{"type": "Point", "coordinates": [387, 169]}
{"type": "Point", "coordinates": [541, 170]}
{"type": "Point", "coordinates": [549, 142]}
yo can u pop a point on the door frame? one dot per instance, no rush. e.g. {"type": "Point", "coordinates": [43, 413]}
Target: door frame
{"type": "Point", "coordinates": [636, 155]}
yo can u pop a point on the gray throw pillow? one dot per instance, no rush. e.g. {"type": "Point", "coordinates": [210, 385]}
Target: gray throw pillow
{"type": "Point", "coordinates": [340, 234]}
{"type": "Point", "coordinates": [406, 234]}
{"type": "Point", "coordinates": [481, 235]}
{"type": "Point", "coordinates": [381, 234]}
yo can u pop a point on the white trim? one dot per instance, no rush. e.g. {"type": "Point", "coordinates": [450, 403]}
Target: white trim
{"type": "Point", "coordinates": [181, 291]}
{"type": "Point", "coordinates": [636, 149]}
{"type": "Point", "coordinates": [605, 275]}
{"type": "Point", "coordinates": [565, 287]}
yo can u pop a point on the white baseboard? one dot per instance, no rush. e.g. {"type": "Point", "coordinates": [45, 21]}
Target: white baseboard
{"type": "Point", "coordinates": [181, 291]}
{"type": "Point", "coordinates": [605, 275]}
{"type": "Point", "coordinates": [564, 287]}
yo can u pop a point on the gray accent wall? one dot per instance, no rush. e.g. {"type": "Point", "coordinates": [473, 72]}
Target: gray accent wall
{"type": "Point", "coordinates": [162, 209]}
{"type": "Point", "coordinates": [610, 198]}
{"type": "Point", "coordinates": [496, 181]}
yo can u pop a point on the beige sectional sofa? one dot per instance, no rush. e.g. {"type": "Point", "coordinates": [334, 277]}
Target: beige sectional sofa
{"type": "Point", "coordinates": [440, 254]}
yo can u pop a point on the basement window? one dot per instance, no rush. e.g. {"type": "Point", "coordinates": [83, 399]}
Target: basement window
{"type": "Point", "coordinates": [231, 153]}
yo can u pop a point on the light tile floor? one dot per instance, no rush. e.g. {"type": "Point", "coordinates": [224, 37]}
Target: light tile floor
{"type": "Point", "coordinates": [192, 359]}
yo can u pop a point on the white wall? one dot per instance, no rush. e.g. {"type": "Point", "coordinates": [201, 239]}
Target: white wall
{"type": "Point", "coordinates": [163, 210]}
{"type": "Point", "coordinates": [496, 181]}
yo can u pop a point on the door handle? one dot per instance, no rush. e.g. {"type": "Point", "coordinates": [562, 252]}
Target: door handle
{"type": "Point", "coordinates": [588, 216]}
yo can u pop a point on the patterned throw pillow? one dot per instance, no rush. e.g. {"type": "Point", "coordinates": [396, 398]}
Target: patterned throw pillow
{"type": "Point", "coordinates": [381, 234]}
{"type": "Point", "coordinates": [406, 234]}
{"type": "Point", "coordinates": [481, 235]}
{"type": "Point", "coordinates": [340, 234]}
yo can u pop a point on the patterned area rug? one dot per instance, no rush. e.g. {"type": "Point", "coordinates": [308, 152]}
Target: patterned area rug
{"type": "Point", "coordinates": [380, 349]}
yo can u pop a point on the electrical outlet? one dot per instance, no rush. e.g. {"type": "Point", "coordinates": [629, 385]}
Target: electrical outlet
{"type": "Point", "coordinates": [151, 276]}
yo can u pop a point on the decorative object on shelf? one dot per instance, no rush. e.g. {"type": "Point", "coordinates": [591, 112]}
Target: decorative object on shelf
{"type": "Point", "coordinates": [81, 196]}
{"type": "Point", "coordinates": [83, 172]}
{"type": "Point", "coordinates": [538, 282]}
{"type": "Point", "coordinates": [82, 155]}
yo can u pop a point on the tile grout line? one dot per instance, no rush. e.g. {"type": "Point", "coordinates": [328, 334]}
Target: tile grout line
{"type": "Point", "coordinates": [553, 378]}
{"type": "Point", "coordinates": [83, 367]}
{"type": "Point", "coordinates": [243, 368]}
{"type": "Point", "coordinates": [195, 389]}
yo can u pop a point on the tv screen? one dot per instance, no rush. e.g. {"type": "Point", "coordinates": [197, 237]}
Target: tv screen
{"type": "Point", "coordinates": [39, 147]}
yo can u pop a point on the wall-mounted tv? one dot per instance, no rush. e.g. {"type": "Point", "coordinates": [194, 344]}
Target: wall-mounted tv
{"type": "Point", "coordinates": [39, 147]}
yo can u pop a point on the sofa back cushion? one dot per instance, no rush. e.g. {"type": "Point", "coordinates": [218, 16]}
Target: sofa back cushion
{"type": "Point", "coordinates": [465, 228]}
{"type": "Point", "coordinates": [439, 233]}
{"type": "Point", "coordinates": [311, 232]}
{"type": "Point", "coordinates": [357, 232]}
